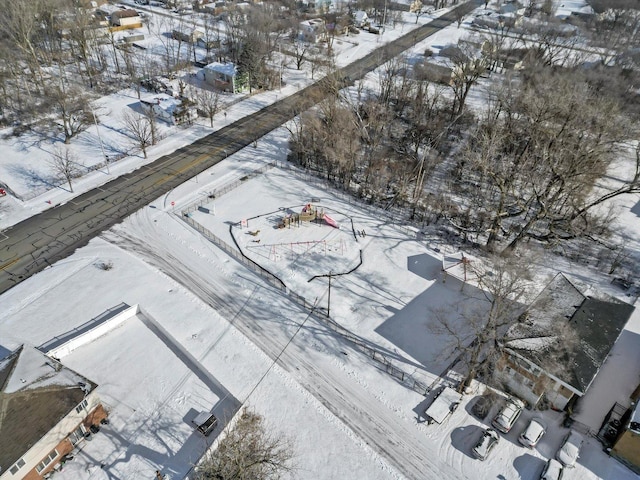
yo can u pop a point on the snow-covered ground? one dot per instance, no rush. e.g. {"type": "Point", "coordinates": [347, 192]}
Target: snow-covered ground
{"type": "Point", "coordinates": [212, 334]}
{"type": "Point", "coordinates": [344, 414]}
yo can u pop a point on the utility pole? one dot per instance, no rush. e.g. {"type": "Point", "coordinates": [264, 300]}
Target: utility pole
{"type": "Point", "coordinates": [281, 67]}
{"type": "Point", "coordinates": [384, 17]}
{"type": "Point", "coordinates": [329, 295]}
{"type": "Point", "coordinates": [95, 120]}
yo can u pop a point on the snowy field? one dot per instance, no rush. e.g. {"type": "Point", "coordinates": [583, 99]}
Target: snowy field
{"type": "Point", "coordinates": [213, 334]}
{"type": "Point", "coordinates": [388, 300]}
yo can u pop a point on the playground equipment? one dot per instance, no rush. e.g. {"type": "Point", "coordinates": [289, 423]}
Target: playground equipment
{"type": "Point", "coordinates": [276, 250]}
{"type": "Point", "coordinates": [309, 213]}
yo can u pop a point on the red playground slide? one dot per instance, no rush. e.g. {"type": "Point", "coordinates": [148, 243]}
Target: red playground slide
{"type": "Point", "coordinates": [331, 221]}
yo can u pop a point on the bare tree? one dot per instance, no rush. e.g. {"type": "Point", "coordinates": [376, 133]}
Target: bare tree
{"type": "Point", "coordinates": [139, 127]}
{"type": "Point", "coordinates": [467, 68]}
{"type": "Point", "coordinates": [247, 452]}
{"type": "Point", "coordinates": [20, 23]}
{"type": "Point", "coordinates": [208, 102]}
{"type": "Point", "coordinates": [555, 42]}
{"type": "Point", "coordinates": [474, 337]}
{"type": "Point", "coordinates": [211, 32]}
{"type": "Point", "coordinates": [417, 8]}
{"type": "Point", "coordinates": [537, 161]}
{"type": "Point", "coordinates": [72, 108]}
{"type": "Point", "coordinates": [235, 23]}
{"type": "Point", "coordinates": [459, 16]}
{"type": "Point", "coordinates": [65, 165]}
{"type": "Point", "coordinates": [300, 49]}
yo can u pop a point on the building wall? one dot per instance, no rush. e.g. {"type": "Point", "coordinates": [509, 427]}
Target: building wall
{"type": "Point", "coordinates": [120, 28]}
{"type": "Point", "coordinates": [132, 22]}
{"type": "Point", "coordinates": [62, 448]}
{"type": "Point", "coordinates": [627, 450]}
{"type": "Point", "coordinates": [158, 112]}
{"type": "Point", "coordinates": [57, 435]}
{"type": "Point", "coordinates": [219, 80]}
{"type": "Point", "coordinates": [531, 386]}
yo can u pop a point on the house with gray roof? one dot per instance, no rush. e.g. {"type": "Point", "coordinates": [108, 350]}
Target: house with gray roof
{"type": "Point", "coordinates": [46, 410]}
{"type": "Point", "coordinates": [557, 346]}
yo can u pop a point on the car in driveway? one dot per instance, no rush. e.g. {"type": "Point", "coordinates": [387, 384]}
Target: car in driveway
{"type": "Point", "coordinates": [533, 433]}
{"type": "Point", "coordinates": [570, 449]}
{"type": "Point", "coordinates": [485, 444]}
{"type": "Point", "coordinates": [552, 470]}
{"type": "Point", "coordinates": [508, 415]}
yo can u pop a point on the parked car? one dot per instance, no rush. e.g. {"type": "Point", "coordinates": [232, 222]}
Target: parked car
{"type": "Point", "coordinates": [507, 417]}
{"type": "Point", "coordinates": [485, 444]}
{"type": "Point", "coordinates": [205, 423]}
{"type": "Point", "coordinates": [552, 470]}
{"type": "Point", "coordinates": [533, 433]}
{"type": "Point", "coordinates": [570, 450]}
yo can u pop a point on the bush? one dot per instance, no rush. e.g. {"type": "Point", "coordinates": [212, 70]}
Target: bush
{"type": "Point", "coordinates": [107, 265]}
{"type": "Point", "coordinates": [247, 452]}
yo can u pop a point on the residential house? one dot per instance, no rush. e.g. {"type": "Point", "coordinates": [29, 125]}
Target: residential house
{"type": "Point", "coordinates": [313, 30]}
{"type": "Point", "coordinates": [189, 35]}
{"type": "Point", "coordinates": [433, 71]}
{"type": "Point", "coordinates": [126, 19]}
{"type": "Point", "coordinates": [558, 345]}
{"type": "Point", "coordinates": [46, 410]}
{"type": "Point", "coordinates": [317, 6]}
{"type": "Point", "coordinates": [172, 110]}
{"type": "Point", "coordinates": [360, 19]}
{"type": "Point", "coordinates": [215, 8]}
{"type": "Point", "coordinates": [223, 76]}
{"type": "Point", "coordinates": [510, 58]}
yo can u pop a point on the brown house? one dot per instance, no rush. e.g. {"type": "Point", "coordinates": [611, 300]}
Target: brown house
{"type": "Point", "coordinates": [126, 19]}
{"type": "Point", "coordinates": [46, 410]}
{"type": "Point", "coordinates": [627, 445]}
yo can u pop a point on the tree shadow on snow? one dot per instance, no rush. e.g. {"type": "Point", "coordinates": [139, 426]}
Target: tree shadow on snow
{"type": "Point", "coordinates": [33, 179]}
{"type": "Point", "coordinates": [414, 328]}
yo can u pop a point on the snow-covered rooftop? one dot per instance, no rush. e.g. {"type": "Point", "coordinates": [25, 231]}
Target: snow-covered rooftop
{"type": "Point", "coordinates": [36, 392]}
{"type": "Point", "coordinates": [575, 330]}
{"type": "Point", "coordinates": [228, 69]}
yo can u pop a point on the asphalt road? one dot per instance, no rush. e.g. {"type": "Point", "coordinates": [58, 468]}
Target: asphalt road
{"type": "Point", "coordinates": [30, 246]}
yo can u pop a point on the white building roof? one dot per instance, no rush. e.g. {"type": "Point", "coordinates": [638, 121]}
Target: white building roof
{"type": "Point", "coordinates": [360, 15]}
{"type": "Point", "coordinates": [228, 69]}
{"type": "Point", "coordinates": [166, 102]}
